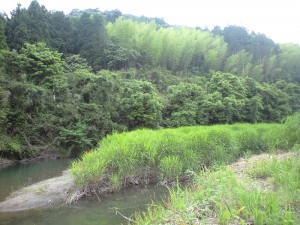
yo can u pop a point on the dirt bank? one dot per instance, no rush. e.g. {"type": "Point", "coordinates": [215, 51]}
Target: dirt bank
{"type": "Point", "coordinates": [45, 193]}
{"type": "Point", "coordinates": [5, 162]}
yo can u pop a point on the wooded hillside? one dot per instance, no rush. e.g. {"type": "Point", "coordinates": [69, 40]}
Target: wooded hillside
{"type": "Point", "coordinates": [66, 81]}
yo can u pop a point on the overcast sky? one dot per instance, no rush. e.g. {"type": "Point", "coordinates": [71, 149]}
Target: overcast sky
{"type": "Point", "coordinates": [278, 19]}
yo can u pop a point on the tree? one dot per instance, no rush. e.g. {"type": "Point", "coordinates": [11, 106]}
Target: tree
{"type": "Point", "coordinates": [213, 110]}
{"type": "Point", "coordinates": [273, 70]}
{"type": "Point", "coordinates": [275, 103]}
{"type": "Point", "coordinates": [91, 39]}
{"type": "Point", "coordinates": [125, 32]}
{"type": "Point", "coordinates": [16, 29]}
{"type": "Point", "coordinates": [38, 23]}
{"type": "Point", "coordinates": [115, 56]}
{"type": "Point", "coordinates": [75, 63]}
{"type": "Point", "coordinates": [31, 25]}
{"type": "Point", "coordinates": [171, 48]}
{"type": "Point", "coordinates": [293, 92]}
{"type": "Point", "coordinates": [3, 44]}
{"type": "Point", "coordinates": [41, 65]}
{"type": "Point", "coordinates": [183, 105]}
{"type": "Point", "coordinates": [226, 99]}
{"type": "Point", "coordinates": [239, 63]}
{"type": "Point", "coordinates": [212, 49]}
{"type": "Point", "coordinates": [253, 104]}
{"type": "Point", "coordinates": [62, 33]}
{"type": "Point", "coordinates": [237, 38]}
{"type": "Point", "coordinates": [4, 96]}
{"type": "Point", "coordinates": [289, 59]}
{"type": "Point", "coordinates": [113, 15]}
{"type": "Point", "coordinates": [139, 105]}
{"type": "Point", "coordinates": [262, 47]}
{"type": "Point", "coordinates": [148, 44]}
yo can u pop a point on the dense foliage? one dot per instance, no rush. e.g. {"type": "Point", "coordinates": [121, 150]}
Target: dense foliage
{"type": "Point", "coordinates": [66, 81]}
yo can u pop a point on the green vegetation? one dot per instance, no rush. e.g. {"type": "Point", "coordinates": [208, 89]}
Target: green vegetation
{"type": "Point", "coordinates": [291, 132]}
{"type": "Point", "coordinates": [221, 197]}
{"type": "Point", "coordinates": [218, 194]}
{"type": "Point", "coordinates": [225, 195]}
{"type": "Point", "coordinates": [72, 83]}
{"type": "Point", "coordinates": [170, 153]}
{"type": "Point", "coordinates": [68, 81]}
{"type": "Point", "coordinates": [284, 175]}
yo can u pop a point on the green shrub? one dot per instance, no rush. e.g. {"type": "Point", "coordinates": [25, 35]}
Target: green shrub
{"type": "Point", "coordinates": [10, 147]}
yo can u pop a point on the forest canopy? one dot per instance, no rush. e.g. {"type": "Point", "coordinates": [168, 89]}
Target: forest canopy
{"type": "Point", "coordinates": [66, 81]}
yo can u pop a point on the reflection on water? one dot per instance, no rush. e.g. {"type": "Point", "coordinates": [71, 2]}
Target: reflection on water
{"type": "Point", "coordinates": [87, 211]}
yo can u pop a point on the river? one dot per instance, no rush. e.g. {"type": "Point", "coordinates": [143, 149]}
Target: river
{"type": "Point", "coordinates": [109, 210]}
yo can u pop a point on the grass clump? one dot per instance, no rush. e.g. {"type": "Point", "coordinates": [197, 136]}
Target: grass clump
{"type": "Point", "coordinates": [168, 153]}
{"type": "Point", "coordinates": [284, 175]}
{"type": "Point", "coordinates": [290, 132]}
{"type": "Point", "coordinates": [115, 181]}
{"type": "Point", "coordinates": [170, 166]}
{"type": "Point", "coordinates": [220, 197]}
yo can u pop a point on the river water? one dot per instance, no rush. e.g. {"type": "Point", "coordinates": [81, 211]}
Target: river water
{"type": "Point", "coordinates": [109, 210]}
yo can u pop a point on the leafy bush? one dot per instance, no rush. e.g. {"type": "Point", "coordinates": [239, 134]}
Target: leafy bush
{"type": "Point", "coordinates": [10, 148]}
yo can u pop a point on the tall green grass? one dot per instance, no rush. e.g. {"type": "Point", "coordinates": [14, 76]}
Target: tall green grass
{"type": "Point", "coordinates": [289, 136]}
{"type": "Point", "coordinates": [169, 153]}
{"type": "Point", "coordinates": [285, 177]}
{"type": "Point", "coordinates": [220, 196]}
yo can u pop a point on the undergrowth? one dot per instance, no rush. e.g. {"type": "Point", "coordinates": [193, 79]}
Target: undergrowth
{"type": "Point", "coordinates": [218, 197]}
{"type": "Point", "coordinates": [284, 175]}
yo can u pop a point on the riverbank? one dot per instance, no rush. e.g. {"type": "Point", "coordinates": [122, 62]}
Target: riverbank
{"type": "Point", "coordinates": [62, 190]}
{"type": "Point", "coordinates": [168, 154]}
{"type": "Point", "coordinates": [263, 189]}
{"type": "Point", "coordinates": [57, 191]}
{"type": "Point", "coordinates": [4, 161]}
{"type": "Point", "coordinates": [49, 192]}
{"type": "Point", "coordinates": [163, 155]}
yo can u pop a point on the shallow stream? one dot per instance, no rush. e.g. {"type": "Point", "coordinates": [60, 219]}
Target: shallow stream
{"type": "Point", "coordinates": [109, 210]}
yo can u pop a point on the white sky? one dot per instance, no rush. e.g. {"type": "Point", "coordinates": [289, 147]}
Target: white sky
{"type": "Point", "coordinates": [277, 19]}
